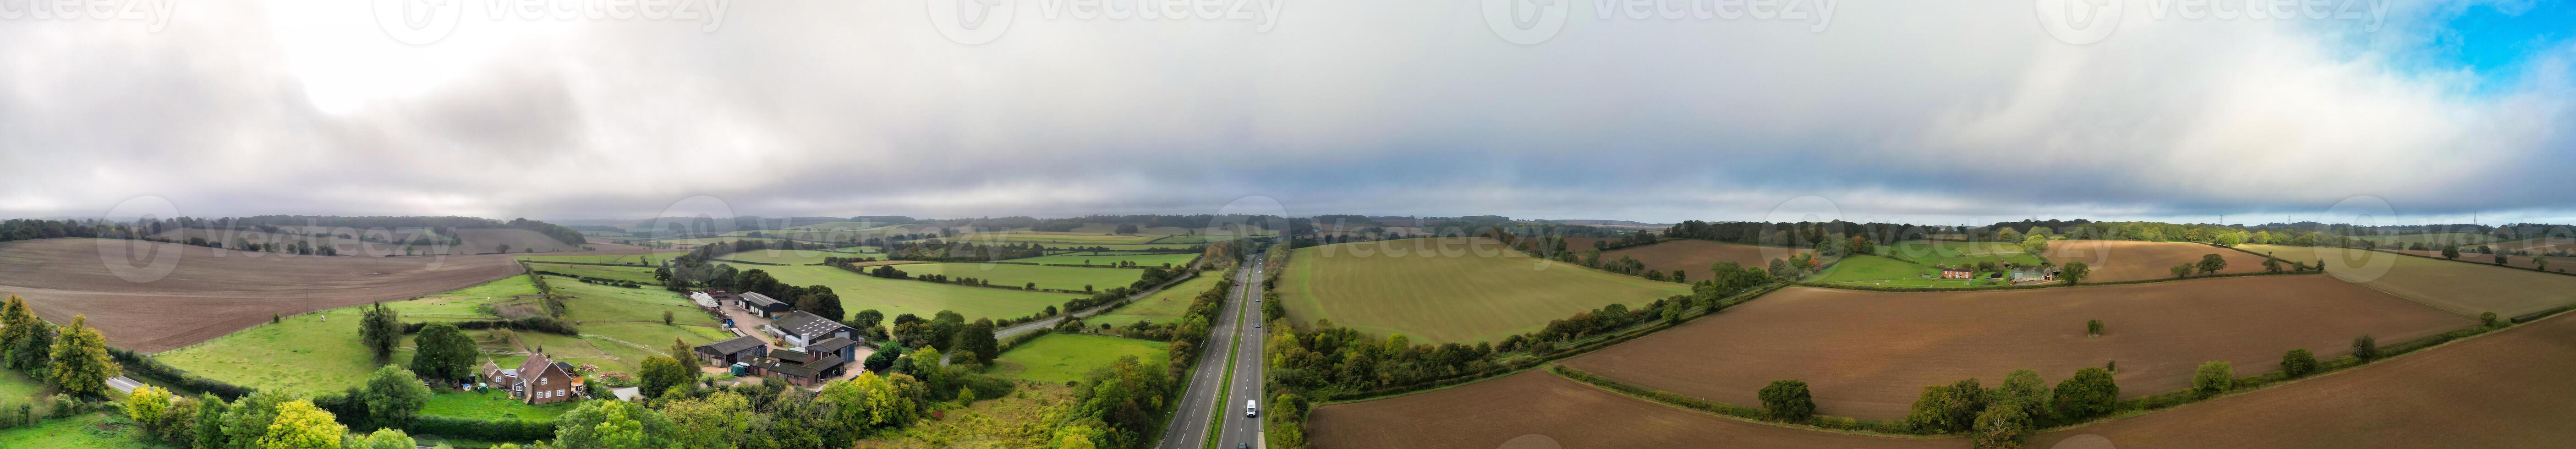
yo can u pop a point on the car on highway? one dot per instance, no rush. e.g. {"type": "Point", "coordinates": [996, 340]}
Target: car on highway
{"type": "Point", "coordinates": [1249, 410]}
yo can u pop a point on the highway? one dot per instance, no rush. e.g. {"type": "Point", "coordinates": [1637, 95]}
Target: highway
{"type": "Point", "coordinates": [1189, 426]}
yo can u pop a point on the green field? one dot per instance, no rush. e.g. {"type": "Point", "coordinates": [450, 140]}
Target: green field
{"type": "Point", "coordinates": [109, 430]}
{"type": "Point", "coordinates": [1442, 299]}
{"type": "Point", "coordinates": [1161, 307]}
{"type": "Point", "coordinates": [1061, 278]}
{"type": "Point", "coordinates": [16, 388]}
{"type": "Point", "coordinates": [1958, 254]}
{"type": "Point", "coordinates": [319, 352]}
{"type": "Point", "coordinates": [2434, 239]}
{"type": "Point", "coordinates": [897, 297]}
{"type": "Point", "coordinates": [1058, 358]}
{"type": "Point", "coordinates": [1146, 259]}
{"type": "Point", "coordinates": [492, 405]}
{"type": "Point", "coordinates": [1054, 237]}
{"type": "Point", "coordinates": [594, 303]}
{"type": "Point", "coordinates": [799, 257]}
{"type": "Point", "coordinates": [1120, 246]}
{"type": "Point", "coordinates": [639, 275]}
{"type": "Point", "coordinates": [638, 259]}
{"type": "Point", "coordinates": [2469, 288]}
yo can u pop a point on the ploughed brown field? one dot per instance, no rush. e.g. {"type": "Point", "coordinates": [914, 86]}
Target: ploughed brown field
{"type": "Point", "coordinates": [2120, 260]}
{"type": "Point", "coordinates": [1694, 256]}
{"type": "Point", "coordinates": [1869, 354]}
{"type": "Point", "coordinates": [209, 292]}
{"type": "Point", "coordinates": [2536, 246]}
{"type": "Point", "coordinates": [2504, 390]}
{"type": "Point", "coordinates": [477, 241]}
{"type": "Point", "coordinates": [1536, 409]}
{"type": "Point", "coordinates": [2556, 264]}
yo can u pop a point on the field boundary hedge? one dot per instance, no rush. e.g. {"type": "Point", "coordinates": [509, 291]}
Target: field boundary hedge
{"type": "Point", "coordinates": [2052, 285]}
{"type": "Point", "coordinates": [1819, 422]}
{"type": "Point", "coordinates": [144, 366]}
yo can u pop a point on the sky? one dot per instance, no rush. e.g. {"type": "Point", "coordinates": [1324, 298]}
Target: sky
{"type": "Point", "coordinates": [1649, 110]}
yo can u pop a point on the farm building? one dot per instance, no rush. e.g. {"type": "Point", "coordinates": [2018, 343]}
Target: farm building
{"type": "Point", "coordinates": [814, 333]}
{"type": "Point", "coordinates": [538, 380]}
{"type": "Point", "coordinates": [1956, 273]}
{"type": "Point", "coordinates": [768, 308]}
{"type": "Point", "coordinates": [707, 300]}
{"type": "Point", "coordinates": [2026, 274]}
{"type": "Point", "coordinates": [801, 367]}
{"type": "Point", "coordinates": [738, 349]}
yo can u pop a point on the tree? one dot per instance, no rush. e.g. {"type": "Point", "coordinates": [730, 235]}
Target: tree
{"type": "Point", "coordinates": [666, 318]}
{"type": "Point", "coordinates": [26, 342]}
{"type": "Point", "coordinates": [146, 404]}
{"type": "Point", "coordinates": [661, 373]}
{"type": "Point", "coordinates": [2298, 363]}
{"type": "Point", "coordinates": [210, 421]}
{"type": "Point", "coordinates": [2000, 428]}
{"type": "Point", "coordinates": [2212, 263]}
{"type": "Point", "coordinates": [2074, 272]}
{"type": "Point", "coordinates": [712, 421]}
{"type": "Point", "coordinates": [81, 364]}
{"type": "Point", "coordinates": [445, 352]}
{"type": "Point", "coordinates": [2271, 265]}
{"type": "Point", "coordinates": [2090, 393]}
{"type": "Point", "coordinates": [2181, 270]}
{"type": "Point", "coordinates": [614, 425]}
{"type": "Point", "coordinates": [2212, 378]}
{"type": "Point", "coordinates": [978, 338]}
{"type": "Point", "coordinates": [2451, 252]}
{"type": "Point", "coordinates": [2501, 259]}
{"type": "Point", "coordinates": [2036, 244]}
{"type": "Point", "coordinates": [2093, 328]}
{"type": "Point", "coordinates": [2025, 390]}
{"type": "Point", "coordinates": [248, 419]}
{"type": "Point", "coordinates": [386, 439]}
{"type": "Point", "coordinates": [686, 354]}
{"type": "Point", "coordinates": [393, 397]}
{"type": "Point", "coordinates": [1860, 245]}
{"type": "Point", "coordinates": [380, 329]}
{"type": "Point", "coordinates": [300, 425]}
{"type": "Point", "coordinates": [2231, 239]}
{"type": "Point", "coordinates": [1948, 408]}
{"type": "Point", "coordinates": [2365, 348]}
{"type": "Point", "coordinates": [177, 425]}
{"type": "Point", "coordinates": [1787, 401]}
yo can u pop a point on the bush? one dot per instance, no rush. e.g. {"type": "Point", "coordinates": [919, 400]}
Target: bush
{"type": "Point", "coordinates": [2089, 394]}
{"type": "Point", "coordinates": [2487, 319]}
{"type": "Point", "coordinates": [2213, 378]}
{"type": "Point", "coordinates": [481, 430]}
{"type": "Point", "coordinates": [2093, 328]}
{"type": "Point", "coordinates": [1788, 401]}
{"type": "Point", "coordinates": [2298, 363]}
{"type": "Point", "coordinates": [2365, 348]}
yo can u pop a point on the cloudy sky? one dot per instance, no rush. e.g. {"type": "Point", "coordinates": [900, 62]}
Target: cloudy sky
{"type": "Point", "coordinates": [1649, 110]}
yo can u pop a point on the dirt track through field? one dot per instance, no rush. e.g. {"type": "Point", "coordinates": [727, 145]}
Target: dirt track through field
{"type": "Point", "coordinates": [1868, 354]}
{"type": "Point", "coordinates": [1539, 410]}
{"type": "Point", "coordinates": [210, 292]}
{"type": "Point", "coordinates": [1694, 256]}
{"type": "Point", "coordinates": [2505, 390]}
{"type": "Point", "coordinates": [2119, 260]}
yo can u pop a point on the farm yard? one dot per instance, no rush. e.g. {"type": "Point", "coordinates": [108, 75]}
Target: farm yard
{"type": "Point", "coordinates": [1695, 256]}
{"type": "Point", "coordinates": [2506, 389]}
{"type": "Point", "coordinates": [1536, 410]}
{"type": "Point", "coordinates": [897, 297]}
{"type": "Point", "coordinates": [2125, 260]}
{"type": "Point", "coordinates": [1057, 358]}
{"type": "Point", "coordinates": [2466, 288]}
{"type": "Point", "coordinates": [221, 291]}
{"type": "Point", "coordinates": [1445, 291]}
{"type": "Point", "coordinates": [1868, 354]}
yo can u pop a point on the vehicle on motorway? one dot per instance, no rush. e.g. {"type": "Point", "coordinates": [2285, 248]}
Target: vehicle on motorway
{"type": "Point", "coordinates": [1250, 410]}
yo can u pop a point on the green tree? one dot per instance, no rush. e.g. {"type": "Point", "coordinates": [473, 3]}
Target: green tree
{"type": "Point", "coordinates": [2000, 428]}
{"type": "Point", "coordinates": [2451, 252]}
{"type": "Point", "coordinates": [2089, 394]}
{"type": "Point", "coordinates": [393, 397]}
{"type": "Point", "coordinates": [26, 342]}
{"type": "Point", "coordinates": [2231, 239]}
{"type": "Point", "coordinates": [2365, 348]}
{"type": "Point", "coordinates": [380, 329]}
{"type": "Point", "coordinates": [146, 404]}
{"type": "Point", "coordinates": [386, 439]}
{"type": "Point", "coordinates": [1787, 401]}
{"type": "Point", "coordinates": [2093, 328]}
{"type": "Point", "coordinates": [2212, 263]}
{"type": "Point", "coordinates": [2298, 363]}
{"type": "Point", "coordinates": [2181, 270]}
{"type": "Point", "coordinates": [661, 373]}
{"type": "Point", "coordinates": [685, 353]}
{"type": "Point", "coordinates": [2271, 265]}
{"type": "Point", "coordinates": [2487, 319]}
{"type": "Point", "coordinates": [2025, 390]}
{"type": "Point", "coordinates": [978, 338]}
{"type": "Point", "coordinates": [2212, 379]}
{"type": "Point", "coordinates": [2036, 244]}
{"type": "Point", "coordinates": [1948, 408]}
{"type": "Point", "coordinates": [177, 425]}
{"type": "Point", "coordinates": [300, 425]}
{"type": "Point", "coordinates": [2074, 272]}
{"type": "Point", "coordinates": [614, 425]}
{"type": "Point", "coordinates": [445, 352]}
{"type": "Point", "coordinates": [712, 421]}
{"type": "Point", "coordinates": [2501, 259]}
{"type": "Point", "coordinates": [81, 364]}
{"type": "Point", "coordinates": [210, 421]}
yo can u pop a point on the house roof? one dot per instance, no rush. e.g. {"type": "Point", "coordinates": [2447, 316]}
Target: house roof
{"type": "Point", "coordinates": [806, 325]}
{"type": "Point", "coordinates": [535, 365]}
{"type": "Point", "coordinates": [737, 344]}
{"type": "Point", "coordinates": [756, 298]}
{"type": "Point", "coordinates": [807, 369]}
{"type": "Point", "coordinates": [829, 344]}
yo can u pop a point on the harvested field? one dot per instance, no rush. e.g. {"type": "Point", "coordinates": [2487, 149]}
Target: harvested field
{"type": "Point", "coordinates": [210, 292]}
{"type": "Point", "coordinates": [1449, 290]}
{"type": "Point", "coordinates": [2556, 264]}
{"type": "Point", "coordinates": [2122, 260]}
{"type": "Point", "coordinates": [1694, 256]}
{"type": "Point", "coordinates": [2467, 288]}
{"type": "Point", "coordinates": [2504, 390]}
{"type": "Point", "coordinates": [1868, 354]}
{"type": "Point", "coordinates": [1535, 409]}
{"type": "Point", "coordinates": [479, 241]}
{"type": "Point", "coordinates": [2537, 246]}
